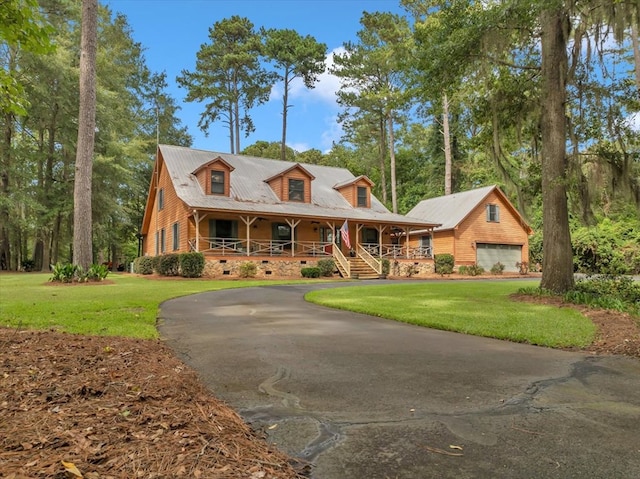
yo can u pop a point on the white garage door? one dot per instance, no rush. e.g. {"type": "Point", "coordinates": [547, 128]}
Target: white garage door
{"type": "Point", "coordinates": [490, 254]}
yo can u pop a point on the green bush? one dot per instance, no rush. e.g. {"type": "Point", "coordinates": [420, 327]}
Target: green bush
{"type": "Point", "coordinates": [97, 272]}
{"type": "Point", "coordinates": [462, 269]}
{"type": "Point", "coordinates": [155, 263]}
{"type": "Point", "coordinates": [386, 266]}
{"type": "Point", "coordinates": [168, 265]}
{"type": "Point", "coordinates": [497, 268]}
{"type": "Point", "coordinates": [192, 264]}
{"type": "Point", "coordinates": [609, 292]}
{"type": "Point", "coordinates": [326, 267]}
{"type": "Point", "coordinates": [143, 265]}
{"type": "Point", "coordinates": [444, 263]}
{"type": "Point", "coordinates": [28, 265]}
{"type": "Point", "coordinates": [610, 248]}
{"type": "Point", "coordinates": [475, 270]}
{"type": "Point", "coordinates": [310, 272]}
{"type": "Point", "coordinates": [248, 269]}
{"type": "Point", "coordinates": [64, 273]}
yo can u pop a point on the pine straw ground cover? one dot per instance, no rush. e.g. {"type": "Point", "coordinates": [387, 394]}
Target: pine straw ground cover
{"type": "Point", "coordinates": [118, 408]}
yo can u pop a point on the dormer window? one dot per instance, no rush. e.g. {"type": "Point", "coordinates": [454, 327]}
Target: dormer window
{"type": "Point", "coordinates": [363, 197]}
{"type": "Point", "coordinates": [296, 190]}
{"type": "Point", "coordinates": [217, 182]}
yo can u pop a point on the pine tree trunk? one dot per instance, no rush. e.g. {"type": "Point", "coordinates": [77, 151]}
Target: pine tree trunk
{"type": "Point", "coordinates": [285, 107]}
{"type": "Point", "coordinates": [392, 159]}
{"type": "Point", "coordinates": [557, 263]}
{"type": "Point", "coordinates": [447, 145]}
{"type": "Point", "coordinates": [382, 150]}
{"type": "Point", "coordinates": [82, 220]}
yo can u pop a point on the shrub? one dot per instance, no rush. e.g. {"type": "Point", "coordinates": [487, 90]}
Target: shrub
{"type": "Point", "coordinates": [191, 264]}
{"type": "Point", "coordinates": [143, 265]}
{"type": "Point", "coordinates": [386, 266]}
{"type": "Point", "coordinates": [475, 270]}
{"type": "Point", "coordinates": [64, 273]}
{"type": "Point", "coordinates": [523, 267]}
{"type": "Point", "coordinates": [497, 268]}
{"type": "Point", "coordinates": [155, 263]}
{"type": "Point", "coordinates": [326, 267]}
{"type": "Point", "coordinates": [97, 272]}
{"type": "Point", "coordinates": [28, 265]}
{"type": "Point", "coordinates": [411, 270]}
{"type": "Point", "coordinates": [310, 272]}
{"type": "Point", "coordinates": [168, 265]}
{"type": "Point", "coordinates": [611, 247]}
{"type": "Point", "coordinates": [444, 263]}
{"type": "Point", "coordinates": [462, 269]}
{"type": "Point", "coordinates": [248, 269]}
{"type": "Point", "coordinates": [608, 292]}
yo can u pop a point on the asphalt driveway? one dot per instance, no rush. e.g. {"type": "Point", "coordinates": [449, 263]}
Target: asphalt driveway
{"type": "Point", "coordinates": [362, 397]}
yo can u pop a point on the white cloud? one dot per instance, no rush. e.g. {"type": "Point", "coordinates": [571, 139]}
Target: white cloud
{"type": "Point", "coordinates": [325, 88]}
{"type": "Point", "coordinates": [331, 134]}
{"type": "Point", "coordinates": [633, 121]}
{"type": "Point", "coordinates": [300, 146]}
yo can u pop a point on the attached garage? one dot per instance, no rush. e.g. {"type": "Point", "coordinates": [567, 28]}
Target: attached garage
{"type": "Point", "coordinates": [507, 254]}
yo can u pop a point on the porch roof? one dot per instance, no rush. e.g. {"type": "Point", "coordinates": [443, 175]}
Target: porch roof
{"type": "Point", "coordinates": [250, 194]}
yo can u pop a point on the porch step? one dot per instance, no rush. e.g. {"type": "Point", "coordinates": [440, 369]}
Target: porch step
{"type": "Point", "coordinates": [361, 270]}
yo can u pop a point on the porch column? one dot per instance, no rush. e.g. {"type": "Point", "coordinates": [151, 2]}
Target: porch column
{"type": "Point", "coordinates": [358, 230]}
{"type": "Point", "coordinates": [381, 230]}
{"type": "Point", "coordinates": [248, 221]}
{"type": "Point", "coordinates": [196, 217]}
{"type": "Point", "coordinates": [292, 224]}
{"type": "Point", "coordinates": [407, 232]}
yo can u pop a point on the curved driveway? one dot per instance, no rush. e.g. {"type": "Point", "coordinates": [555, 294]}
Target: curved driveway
{"type": "Point", "coordinates": [362, 397]}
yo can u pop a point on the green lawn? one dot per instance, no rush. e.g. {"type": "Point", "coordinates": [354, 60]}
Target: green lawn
{"type": "Point", "coordinates": [481, 308]}
{"type": "Point", "coordinates": [128, 307]}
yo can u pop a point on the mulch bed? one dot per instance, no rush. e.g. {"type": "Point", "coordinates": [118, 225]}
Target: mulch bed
{"type": "Point", "coordinates": [118, 408]}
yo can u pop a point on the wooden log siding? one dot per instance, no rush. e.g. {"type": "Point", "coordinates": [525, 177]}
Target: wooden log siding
{"type": "Point", "coordinates": [461, 241]}
{"type": "Point", "coordinates": [174, 210]}
{"type": "Point", "coordinates": [350, 192]}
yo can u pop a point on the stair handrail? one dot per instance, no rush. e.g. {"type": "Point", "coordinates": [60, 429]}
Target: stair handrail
{"type": "Point", "coordinates": [342, 261]}
{"type": "Point", "coordinates": [370, 260]}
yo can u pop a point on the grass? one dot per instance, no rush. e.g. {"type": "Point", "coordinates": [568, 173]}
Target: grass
{"type": "Point", "coordinates": [481, 308]}
{"type": "Point", "coordinates": [128, 307]}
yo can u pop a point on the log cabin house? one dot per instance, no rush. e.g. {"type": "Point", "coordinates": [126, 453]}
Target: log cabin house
{"type": "Point", "coordinates": [478, 226]}
{"type": "Point", "coordinates": [280, 215]}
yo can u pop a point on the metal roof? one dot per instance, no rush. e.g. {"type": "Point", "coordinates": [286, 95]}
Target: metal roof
{"type": "Point", "coordinates": [249, 192]}
{"type": "Point", "coordinates": [450, 210]}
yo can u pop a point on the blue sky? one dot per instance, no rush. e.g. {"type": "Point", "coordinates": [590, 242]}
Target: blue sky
{"type": "Point", "coordinates": [172, 31]}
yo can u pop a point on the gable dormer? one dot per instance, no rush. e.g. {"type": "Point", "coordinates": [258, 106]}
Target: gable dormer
{"type": "Point", "coordinates": [292, 184]}
{"type": "Point", "coordinates": [356, 191]}
{"type": "Point", "coordinates": [215, 177]}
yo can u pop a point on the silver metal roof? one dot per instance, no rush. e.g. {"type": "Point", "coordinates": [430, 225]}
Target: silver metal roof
{"type": "Point", "coordinates": [250, 193]}
{"type": "Point", "coordinates": [450, 210]}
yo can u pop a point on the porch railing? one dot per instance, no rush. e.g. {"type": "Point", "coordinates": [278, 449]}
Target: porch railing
{"type": "Point", "coordinates": [257, 247]}
{"type": "Point", "coordinates": [396, 251]}
{"type": "Point", "coordinates": [342, 263]}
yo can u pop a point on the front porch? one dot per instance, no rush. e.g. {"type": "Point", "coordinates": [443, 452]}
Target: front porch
{"type": "Point", "coordinates": [285, 258]}
{"type": "Point", "coordinates": [276, 244]}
